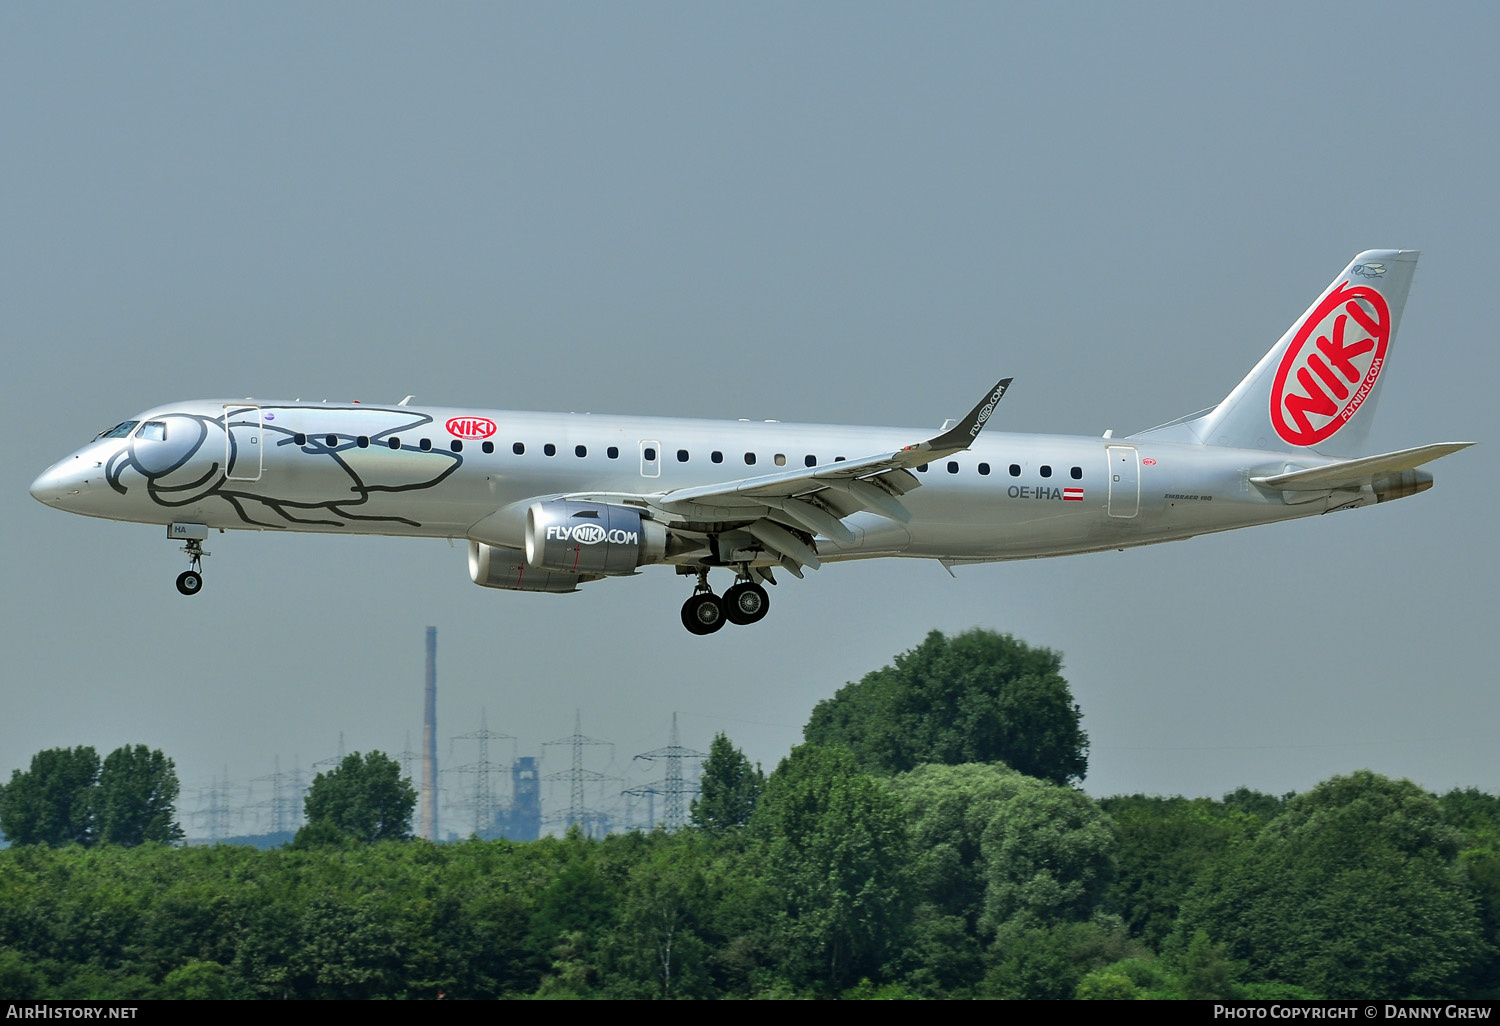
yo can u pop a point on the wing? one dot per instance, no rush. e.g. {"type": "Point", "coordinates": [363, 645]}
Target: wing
{"type": "Point", "coordinates": [783, 511]}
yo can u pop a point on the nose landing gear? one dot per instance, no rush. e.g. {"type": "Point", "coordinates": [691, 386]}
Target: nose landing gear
{"type": "Point", "coordinates": [190, 581]}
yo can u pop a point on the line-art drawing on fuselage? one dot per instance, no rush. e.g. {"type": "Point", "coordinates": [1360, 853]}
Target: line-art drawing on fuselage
{"type": "Point", "coordinates": [355, 465]}
{"type": "Point", "coordinates": [548, 502]}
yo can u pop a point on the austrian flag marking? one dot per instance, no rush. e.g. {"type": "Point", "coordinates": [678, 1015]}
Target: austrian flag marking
{"type": "Point", "coordinates": [1331, 366]}
{"type": "Point", "coordinates": [1072, 494]}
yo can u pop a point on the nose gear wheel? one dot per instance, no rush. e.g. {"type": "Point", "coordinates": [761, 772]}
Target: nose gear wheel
{"type": "Point", "coordinates": [190, 582]}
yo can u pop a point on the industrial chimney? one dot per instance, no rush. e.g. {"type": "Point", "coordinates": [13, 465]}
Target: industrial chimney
{"type": "Point", "coordinates": [429, 742]}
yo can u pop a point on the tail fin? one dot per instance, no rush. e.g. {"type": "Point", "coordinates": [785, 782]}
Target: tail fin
{"type": "Point", "coordinates": [1316, 389]}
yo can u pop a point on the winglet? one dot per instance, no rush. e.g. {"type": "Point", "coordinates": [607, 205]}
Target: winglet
{"type": "Point", "coordinates": [962, 435]}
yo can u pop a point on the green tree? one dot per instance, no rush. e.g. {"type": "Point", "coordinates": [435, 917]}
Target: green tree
{"type": "Point", "coordinates": [1050, 962]}
{"type": "Point", "coordinates": [1165, 845]}
{"type": "Point", "coordinates": [19, 979]}
{"type": "Point", "coordinates": [51, 803]}
{"type": "Point", "coordinates": [976, 697]}
{"type": "Point", "coordinates": [1205, 972]}
{"type": "Point", "coordinates": [836, 851]}
{"type": "Point", "coordinates": [949, 808]}
{"type": "Point", "coordinates": [365, 797]}
{"type": "Point", "coordinates": [996, 847]}
{"type": "Point", "coordinates": [198, 981]}
{"type": "Point", "coordinates": [1048, 855]}
{"type": "Point", "coordinates": [662, 912]}
{"type": "Point", "coordinates": [1355, 890]}
{"type": "Point", "coordinates": [573, 913]}
{"type": "Point", "coordinates": [135, 798]}
{"type": "Point", "coordinates": [1477, 815]}
{"type": "Point", "coordinates": [729, 787]}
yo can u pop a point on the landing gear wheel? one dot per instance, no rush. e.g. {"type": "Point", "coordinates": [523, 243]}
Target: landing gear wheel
{"type": "Point", "coordinates": [746, 603]}
{"type": "Point", "coordinates": [190, 582]}
{"type": "Point", "coordinates": [703, 613]}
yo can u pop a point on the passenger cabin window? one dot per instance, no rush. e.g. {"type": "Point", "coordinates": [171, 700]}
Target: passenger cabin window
{"type": "Point", "coordinates": [363, 441]}
{"type": "Point", "coordinates": [648, 454]}
{"type": "Point", "coordinates": [456, 445]}
{"type": "Point", "coordinates": [984, 470]}
{"type": "Point", "coordinates": [155, 430]}
{"type": "Point", "coordinates": [1046, 470]}
{"type": "Point", "coordinates": [811, 461]}
{"type": "Point", "coordinates": [613, 452]}
{"type": "Point", "coordinates": [580, 451]}
{"type": "Point", "coordinates": [394, 443]}
{"type": "Point", "coordinates": [301, 439]}
{"type": "Point", "coordinates": [333, 441]}
{"type": "Point", "coordinates": [922, 469]}
{"type": "Point", "coordinates": [488, 446]}
{"type": "Point", "coordinates": [519, 448]}
{"type": "Point", "coordinates": [1015, 470]}
{"type": "Point", "coordinates": [550, 449]}
{"type": "Point", "coordinates": [716, 456]}
{"type": "Point", "coordinates": [1076, 473]}
{"type": "Point", "coordinates": [426, 444]}
{"type": "Point", "coordinates": [781, 459]}
{"type": "Point", "coordinates": [749, 459]}
{"type": "Point", "coordinates": [953, 466]}
{"type": "Point", "coordinates": [682, 455]}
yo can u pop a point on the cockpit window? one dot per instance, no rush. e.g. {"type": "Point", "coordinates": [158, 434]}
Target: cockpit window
{"type": "Point", "coordinates": [155, 430]}
{"type": "Point", "coordinates": [118, 431]}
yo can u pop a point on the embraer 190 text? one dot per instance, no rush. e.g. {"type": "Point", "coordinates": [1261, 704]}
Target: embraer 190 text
{"type": "Point", "coordinates": [550, 501]}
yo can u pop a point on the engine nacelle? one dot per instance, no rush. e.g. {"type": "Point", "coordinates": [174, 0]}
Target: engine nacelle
{"type": "Point", "coordinates": [575, 537]}
{"type": "Point", "coordinates": [494, 566]}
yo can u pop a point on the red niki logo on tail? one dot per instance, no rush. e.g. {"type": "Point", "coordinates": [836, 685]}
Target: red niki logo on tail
{"type": "Point", "coordinates": [1331, 365]}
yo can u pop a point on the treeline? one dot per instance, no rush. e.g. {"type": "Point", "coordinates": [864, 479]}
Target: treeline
{"type": "Point", "coordinates": [69, 797]}
{"type": "Point", "coordinates": [892, 855]}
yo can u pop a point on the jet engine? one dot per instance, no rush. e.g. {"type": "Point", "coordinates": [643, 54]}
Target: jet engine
{"type": "Point", "coordinates": [494, 566]}
{"type": "Point", "coordinates": [572, 537]}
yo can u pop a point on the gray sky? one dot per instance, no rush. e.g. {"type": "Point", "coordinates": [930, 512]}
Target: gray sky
{"type": "Point", "coordinates": [834, 212]}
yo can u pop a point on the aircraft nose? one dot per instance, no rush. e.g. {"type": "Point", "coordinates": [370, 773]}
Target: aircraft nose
{"type": "Point", "coordinates": [59, 482]}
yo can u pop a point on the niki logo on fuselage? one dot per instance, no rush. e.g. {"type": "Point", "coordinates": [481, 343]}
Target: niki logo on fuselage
{"type": "Point", "coordinates": [470, 427]}
{"type": "Point", "coordinates": [182, 463]}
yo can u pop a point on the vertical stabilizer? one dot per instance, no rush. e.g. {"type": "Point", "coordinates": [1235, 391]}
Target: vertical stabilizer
{"type": "Point", "coordinates": [1317, 387]}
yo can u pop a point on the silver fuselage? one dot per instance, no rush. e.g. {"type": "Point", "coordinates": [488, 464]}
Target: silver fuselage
{"type": "Point", "coordinates": [332, 468]}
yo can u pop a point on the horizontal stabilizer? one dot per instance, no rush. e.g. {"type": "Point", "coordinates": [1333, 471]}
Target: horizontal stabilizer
{"type": "Point", "coordinates": [1358, 472]}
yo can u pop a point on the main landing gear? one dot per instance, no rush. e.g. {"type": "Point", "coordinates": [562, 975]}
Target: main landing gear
{"type": "Point", "coordinates": [745, 602]}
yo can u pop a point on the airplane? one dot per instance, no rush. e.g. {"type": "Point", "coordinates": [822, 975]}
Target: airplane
{"type": "Point", "coordinates": [548, 502]}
